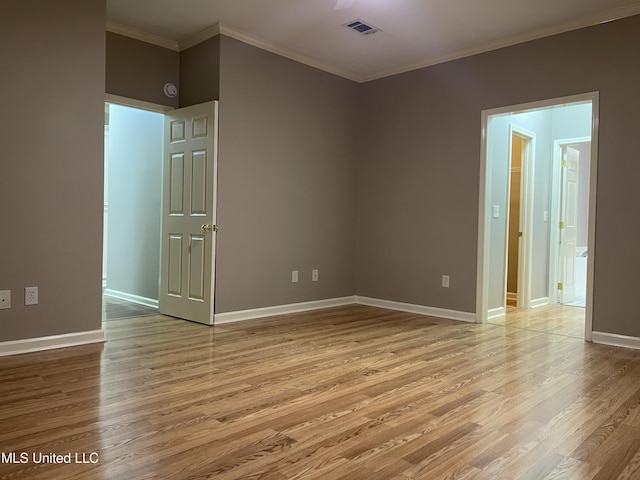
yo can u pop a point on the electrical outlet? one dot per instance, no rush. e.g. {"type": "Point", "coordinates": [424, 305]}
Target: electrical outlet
{"type": "Point", "coordinates": [314, 275]}
{"type": "Point", "coordinates": [294, 276]}
{"type": "Point", "coordinates": [5, 299]}
{"type": "Point", "coordinates": [30, 295]}
{"type": "Point", "coordinates": [445, 281]}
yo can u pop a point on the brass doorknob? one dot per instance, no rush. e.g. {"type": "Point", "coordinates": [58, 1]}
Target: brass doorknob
{"type": "Point", "coordinates": [209, 228]}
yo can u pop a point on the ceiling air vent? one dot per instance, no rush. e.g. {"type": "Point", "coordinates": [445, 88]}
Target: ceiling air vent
{"type": "Point", "coordinates": [361, 27]}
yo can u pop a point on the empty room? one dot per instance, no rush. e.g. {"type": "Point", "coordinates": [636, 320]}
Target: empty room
{"type": "Point", "coordinates": [330, 239]}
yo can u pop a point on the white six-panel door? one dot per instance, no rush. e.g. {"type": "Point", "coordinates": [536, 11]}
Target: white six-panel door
{"type": "Point", "coordinates": [187, 252]}
{"type": "Point", "coordinates": [568, 224]}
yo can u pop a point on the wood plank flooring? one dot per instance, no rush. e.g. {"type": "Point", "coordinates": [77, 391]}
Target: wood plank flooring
{"type": "Point", "coordinates": [344, 393]}
{"type": "Point", "coordinates": [113, 308]}
{"type": "Point", "coordinates": [556, 319]}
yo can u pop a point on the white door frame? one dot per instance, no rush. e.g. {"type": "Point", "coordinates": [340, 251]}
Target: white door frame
{"type": "Point", "coordinates": [526, 218]}
{"type": "Point", "coordinates": [554, 216]}
{"type": "Point", "coordinates": [140, 104]}
{"type": "Point", "coordinates": [484, 207]}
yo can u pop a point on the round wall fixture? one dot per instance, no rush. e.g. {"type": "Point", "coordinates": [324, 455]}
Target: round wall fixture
{"type": "Point", "coordinates": [170, 90]}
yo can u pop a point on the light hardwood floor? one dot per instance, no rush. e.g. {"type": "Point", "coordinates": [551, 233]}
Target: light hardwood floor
{"type": "Point", "coordinates": [555, 319]}
{"type": "Point", "coordinates": [352, 392]}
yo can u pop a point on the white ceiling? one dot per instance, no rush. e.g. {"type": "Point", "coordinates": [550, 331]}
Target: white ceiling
{"type": "Point", "coordinates": [414, 33]}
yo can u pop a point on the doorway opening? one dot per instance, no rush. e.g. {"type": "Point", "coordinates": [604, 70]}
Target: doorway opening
{"type": "Point", "coordinates": [132, 195]}
{"type": "Point", "coordinates": [572, 158]}
{"type": "Point", "coordinates": [160, 204]}
{"type": "Point", "coordinates": [518, 217]}
{"type": "Point", "coordinates": [533, 242]}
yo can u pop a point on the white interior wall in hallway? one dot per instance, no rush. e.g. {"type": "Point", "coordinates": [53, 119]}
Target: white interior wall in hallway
{"type": "Point", "coordinates": [549, 124]}
{"type": "Point", "coordinates": [134, 193]}
{"type": "Point", "coordinates": [539, 123]}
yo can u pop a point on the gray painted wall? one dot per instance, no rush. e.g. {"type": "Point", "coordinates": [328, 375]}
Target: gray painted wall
{"type": "Point", "coordinates": [417, 204]}
{"type": "Point", "coordinates": [140, 70]}
{"type": "Point", "coordinates": [135, 190]}
{"type": "Point", "coordinates": [200, 73]}
{"type": "Point", "coordinates": [52, 83]}
{"type": "Point", "coordinates": [286, 181]}
{"type": "Point", "coordinates": [289, 160]}
{"type": "Point", "coordinates": [420, 166]}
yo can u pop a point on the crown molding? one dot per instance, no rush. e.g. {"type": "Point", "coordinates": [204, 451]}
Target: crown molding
{"type": "Point", "coordinates": [199, 37]}
{"type": "Point", "coordinates": [143, 36]}
{"type": "Point", "coordinates": [261, 43]}
{"type": "Point", "coordinates": [583, 22]}
{"type": "Point", "coordinates": [245, 37]}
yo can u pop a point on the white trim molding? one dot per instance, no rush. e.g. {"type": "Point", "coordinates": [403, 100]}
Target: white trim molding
{"type": "Point", "coordinates": [419, 309]}
{"type": "Point", "coordinates": [616, 340]}
{"type": "Point", "coordinates": [583, 22]}
{"type": "Point", "coordinates": [132, 102]}
{"type": "Point", "coordinates": [143, 36]}
{"type": "Point", "coordinates": [130, 297]}
{"type": "Point", "coordinates": [236, 316]}
{"type": "Point", "coordinates": [27, 345]}
{"type": "Point", "coordinates": [539, 302]}
{"type": "Point", "coordinates": [239, 315]}
{"type": "Point", "coordinates": [268, 46]}
{"type": "Point", "coordinates": [498, 312]}
{"type": "Point", "coordinates": [199, 37]}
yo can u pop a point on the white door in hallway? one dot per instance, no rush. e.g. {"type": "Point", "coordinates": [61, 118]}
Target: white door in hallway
{"type": "Point", "coordinates": [187, 256]}
{"type": "Point", "coordinates": [568, 224]}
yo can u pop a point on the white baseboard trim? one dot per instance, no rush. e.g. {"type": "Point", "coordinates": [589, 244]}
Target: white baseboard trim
{"type": "Point", "coordinates": [616, 340]}
{"type": "Point", "coordinates": [419, 309]}
{"type": "Point", "coordinates": [239, 315]}
{"type": "Point", "coordinates": [497, 312]}
{"type": "Point", "coordinates": [539, 302]}
{"type": "Point", "coordinates": [28, 345]}
{"type": "Point", "coordinates": [129, 297]}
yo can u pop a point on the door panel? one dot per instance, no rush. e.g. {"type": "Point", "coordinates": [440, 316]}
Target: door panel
{"type": "Point", "coordinates": [174, 265]}
{"type": "Point", "coordinates": [188, 208]}
{"type": "Point", "coordinates": [197, 268]}
{"type": "Point", "coordinates": [198, 183]}
{"type": "Point", "coordinates": [176, 184]}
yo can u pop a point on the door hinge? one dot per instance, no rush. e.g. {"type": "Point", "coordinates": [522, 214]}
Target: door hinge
{"type": "Point", "coordinates": [561, 225]}
{"type": "Point", "coordinates": [564, 164]}
{"type": "Point", "coordinates": [559, 286]}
